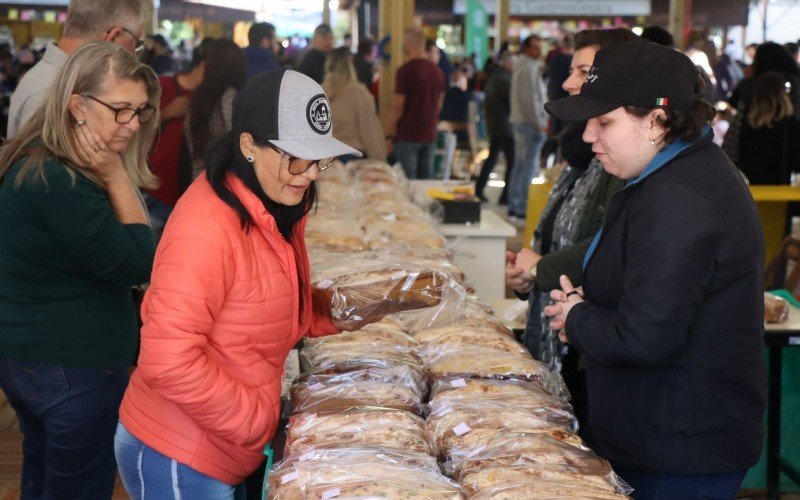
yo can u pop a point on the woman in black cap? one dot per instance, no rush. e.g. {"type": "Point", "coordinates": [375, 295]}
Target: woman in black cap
{"type": "Point", "coordinates": [670, 315]}
{"type": "Point", "coordinates": [569, 221]}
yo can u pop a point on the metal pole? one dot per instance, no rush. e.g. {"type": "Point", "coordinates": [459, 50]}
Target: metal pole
{"type": "Point", "coordinates": [764, 20]}
{"type": "Point", "coordinates": [326, 12]}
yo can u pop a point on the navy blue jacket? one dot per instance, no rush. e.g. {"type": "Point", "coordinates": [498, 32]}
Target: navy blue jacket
{"type": "Point", "coordinates": [673, 324]}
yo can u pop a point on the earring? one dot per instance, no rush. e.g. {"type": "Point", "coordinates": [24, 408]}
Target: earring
{"type": "Point", "coordinates": [652, 141]}
{"type": "Point", "coordinates": [250, 158]}
{"type": "Point", "coordinates": [81, 122]}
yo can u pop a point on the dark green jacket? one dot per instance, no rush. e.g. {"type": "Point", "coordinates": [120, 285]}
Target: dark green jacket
{"type": "Point", "coordinates": [67, 266]}
{"type": "Point", "coordinates": [569, 260]}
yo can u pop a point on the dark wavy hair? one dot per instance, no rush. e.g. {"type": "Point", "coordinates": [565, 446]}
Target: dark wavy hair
{"type": "Point", "coordinates": [604, 38]}
{"type": "Point", "coordinates": [685, 124]}
{"type": "Point", "coordinates": [225, 67]}
{"type": "Point", "coordinates": [225, 156]}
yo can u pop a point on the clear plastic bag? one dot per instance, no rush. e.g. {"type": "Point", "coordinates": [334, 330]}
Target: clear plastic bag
{"type": "Point", "coordinates": [399, 387]}
{"type": "Point", "coordinates": [356, 291]}
{"type": "Point", "coordinates": [335, 234]}
{"type": "Point", "coordinates": [439, 341]}
{"type": "Point", "coordinates": [485, 362]}
{"type": "Point", "coordinates": [538, 482]}
{"type": "Point", "coordinates": [328, 357]}
{"type": "Point", "coordinates": [467, 428]}
{"type": "Point", "coordinates": [776, 309]}
{"type": "Point", "coordinates": [535, 450]}
{"type": "Point", "coordinates": [409, 232]}
{"type": "Point", "coordinates": [498, 395]}
{"type": "Point", "coordinates": [363, 480]}
{"type": "Point", "coordinates": [364, 426]}
{"type": "Point", "coordinates": [385, 331]}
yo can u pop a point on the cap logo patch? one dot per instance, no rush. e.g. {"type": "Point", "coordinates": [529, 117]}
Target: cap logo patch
{"type": "Point", "coordinates": [318, 114]}
{"type": "Point", "coordinates": [592, 76]}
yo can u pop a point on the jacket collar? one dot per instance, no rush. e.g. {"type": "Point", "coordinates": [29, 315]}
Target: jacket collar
{"type": "Point", "coordinates": [263, 220]}
{"type": "Point", "coordinates": [676, 149]}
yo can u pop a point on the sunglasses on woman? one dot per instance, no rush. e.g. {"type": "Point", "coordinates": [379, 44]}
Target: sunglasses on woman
{"type": "Point", "coordinates": [298, 166]}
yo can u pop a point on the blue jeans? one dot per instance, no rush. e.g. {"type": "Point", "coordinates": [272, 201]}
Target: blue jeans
{"type": "Point", "coordinates": [147, 473]}
{"type": "Point", "coordinates": [528, 142]}
{"type": "Point", "coordinates": [650, 486]}
{"type": "Point", "coordinates": [416, 158]}
{"type": "Point", "coordinates": [159, 212]}
{"type": "Point", "coordinates": [67, 416]}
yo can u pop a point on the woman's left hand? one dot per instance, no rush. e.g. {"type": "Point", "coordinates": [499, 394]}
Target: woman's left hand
{"type": "Point", "coordinates": [565, 299]}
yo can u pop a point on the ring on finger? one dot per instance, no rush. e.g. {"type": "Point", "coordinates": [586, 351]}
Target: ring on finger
{"type": "Point", "coordinates": [573, 292]}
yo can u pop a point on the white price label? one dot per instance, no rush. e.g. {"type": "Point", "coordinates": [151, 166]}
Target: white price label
{"type": "Point", "coordinates": [461, 429]}
{"type": "Point", "coordinates": [316, 386]}
{"type": "Point", "coordinates": [331, 494]}
{"type": "Point", "coordinates": [324, 284]}
{"type": "Point", "coordinates": [289, 477]}
{"type": "Point", "coordinates": [459, 382]}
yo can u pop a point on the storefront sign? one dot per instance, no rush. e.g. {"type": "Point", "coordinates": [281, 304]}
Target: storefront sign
{"type": "Point", "coordinates": [565, 8]}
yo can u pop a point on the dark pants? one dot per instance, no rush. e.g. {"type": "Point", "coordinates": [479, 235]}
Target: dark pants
{"type": "Point", "coordinates": [68, 417]}
{"type": "Point", "coordinates": [650, 486]}
{"type": "Point", "coordinates": [497, 143]}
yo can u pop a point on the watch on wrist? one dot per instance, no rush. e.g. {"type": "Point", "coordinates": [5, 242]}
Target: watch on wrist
{"type": "Point", "coordinates": [532, 272]}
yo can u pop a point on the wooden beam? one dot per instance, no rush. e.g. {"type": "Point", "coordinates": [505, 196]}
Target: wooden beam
{"type": "Point", "coordinates": [500, 23]}
{"type": "Point", "coordinates": [326, 12]}
{"type": "Point", "coordinates": [395, 16]}
{"type": "Point", "coordinates": [680, 21]}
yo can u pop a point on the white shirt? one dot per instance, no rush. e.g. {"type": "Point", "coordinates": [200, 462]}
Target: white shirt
{"type": "Point", "coordinates": [33, 86]}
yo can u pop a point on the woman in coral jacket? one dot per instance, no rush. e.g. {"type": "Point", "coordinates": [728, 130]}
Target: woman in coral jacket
{"type": "Point", "coordinates": [229, 297]}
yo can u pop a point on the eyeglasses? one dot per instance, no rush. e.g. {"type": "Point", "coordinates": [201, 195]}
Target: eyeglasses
{"type": "Point", "coordinates": [139, 42]}
{"type": "Point", "coordinates": [296, 165]}
{"type": "Point", "coordinates": [125, 115]}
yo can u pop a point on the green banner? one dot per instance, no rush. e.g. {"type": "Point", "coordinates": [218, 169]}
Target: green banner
{"type": "Point", "coordinates": [477, 36]}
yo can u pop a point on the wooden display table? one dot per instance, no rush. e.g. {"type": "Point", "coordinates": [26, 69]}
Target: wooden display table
{"type": "Point", "coordinates": [772, 203]}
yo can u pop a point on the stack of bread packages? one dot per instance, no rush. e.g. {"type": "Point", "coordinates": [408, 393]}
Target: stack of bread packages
{"type": "Point", "coordinates": [357, 428]}
{"type": "Point", "coordinates": [431, 396]}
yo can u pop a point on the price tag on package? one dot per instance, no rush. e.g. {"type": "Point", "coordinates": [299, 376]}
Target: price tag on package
{"type": "Point", "coordinates": [289, 478]}
{"type": "Point", "coordinates": [335, 492]}
{"type": "Point", "coordinates": [459, 382]}
{"type": "Point", "coordinates": [461, 429]}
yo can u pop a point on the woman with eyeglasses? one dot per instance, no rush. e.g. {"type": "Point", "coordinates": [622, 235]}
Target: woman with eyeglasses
{"type": "Point", "coordinates": [74, 239]}
{"type": "Point", "coordinates": [229, 297]}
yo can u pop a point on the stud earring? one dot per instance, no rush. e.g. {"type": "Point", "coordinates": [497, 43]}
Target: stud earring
{"type": "Point", "coordinates": [81, 122]}
{"type": "Point", "coordinates": [250, 158]}
{"type": "Point", "coordinates": [652, 141]}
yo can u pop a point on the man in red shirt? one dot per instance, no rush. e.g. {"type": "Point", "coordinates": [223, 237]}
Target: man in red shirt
{"type": "Point", "coordinates": [417, 101]}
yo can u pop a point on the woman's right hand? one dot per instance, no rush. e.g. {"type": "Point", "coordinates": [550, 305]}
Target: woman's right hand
{"type": "Point", "coordinates": [97, 158]}
{"type": "Point", "coordinates": [518, 279]}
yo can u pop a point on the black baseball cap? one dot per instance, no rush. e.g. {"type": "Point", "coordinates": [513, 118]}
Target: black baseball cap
{"type": "Point", "coordinates": [631, 74]}
{"type": "Point", "coordinates": [291, 111]}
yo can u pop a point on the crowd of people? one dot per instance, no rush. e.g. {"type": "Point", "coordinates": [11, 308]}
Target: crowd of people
{"type": "Point", "coordinates": [652, 314]}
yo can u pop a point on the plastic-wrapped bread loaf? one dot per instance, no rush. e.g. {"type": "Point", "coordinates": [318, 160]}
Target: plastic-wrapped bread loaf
{"type": "Point", "coordinates": [776, 310]}
{"type": "Point", "coordinates": [400, 387]}
{"type": "Point", "coordinates": [367, 296]}
{"type": "Point", "coordinates": [357, 427]}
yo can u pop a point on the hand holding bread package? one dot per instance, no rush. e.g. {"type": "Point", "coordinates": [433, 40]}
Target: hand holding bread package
{"type": "Point", "coordinates": [427, 372]}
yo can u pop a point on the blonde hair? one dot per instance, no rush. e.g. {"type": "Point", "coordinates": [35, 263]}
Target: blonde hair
{"type": "Point", "coordinates": [90, 18]}
{"type": "Point", "coordinates": [49, 134]}
{"type": "Point", "coordinates": [771, 101]}
{"type": "Point", "coordinates": [339, 71]}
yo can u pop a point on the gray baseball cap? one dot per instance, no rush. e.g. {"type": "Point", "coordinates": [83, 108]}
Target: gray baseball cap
{"type": "Point", "coordinates": [291, 111]}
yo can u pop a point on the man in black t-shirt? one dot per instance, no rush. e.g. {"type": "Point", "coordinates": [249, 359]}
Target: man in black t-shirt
{"type": "Point", "coordinates": [313, 63]}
